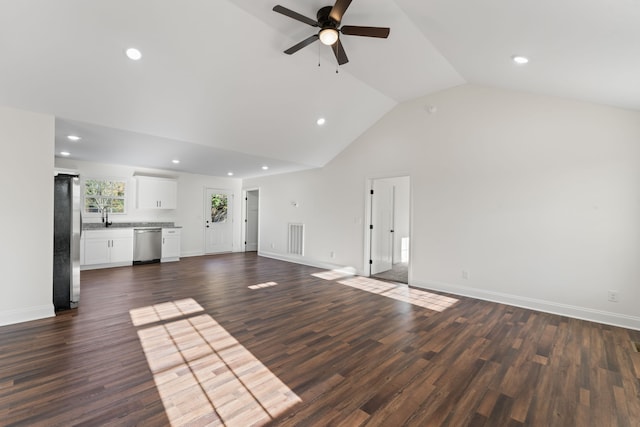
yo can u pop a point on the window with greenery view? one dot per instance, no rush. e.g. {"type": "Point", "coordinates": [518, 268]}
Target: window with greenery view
{"type": "Point", "coordinates": [104, 195]}
{"type": "Point", "coordinates": [219, 208]}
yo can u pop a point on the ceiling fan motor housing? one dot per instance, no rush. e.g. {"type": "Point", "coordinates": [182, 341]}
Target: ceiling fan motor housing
{"type": "Point", "coordinates": [324, 20]}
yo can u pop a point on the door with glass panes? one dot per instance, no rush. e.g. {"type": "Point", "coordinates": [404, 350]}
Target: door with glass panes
{"type": "Point", "coordinates": [218, 220]}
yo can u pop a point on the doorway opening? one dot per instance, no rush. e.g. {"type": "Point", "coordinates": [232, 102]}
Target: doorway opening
{"type": "Point", "coordinates": [251, 219]}
{"type": "Point", "coordinates": [218, 226]}
{"type": "Point", "coordinates": [389, 228]}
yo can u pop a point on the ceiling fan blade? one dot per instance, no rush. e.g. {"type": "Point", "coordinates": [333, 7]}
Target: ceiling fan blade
{"type": "Point", "coordinates": [303, 43]}
{"type": "Point", "coordinates": [339, 52]}
{"type": "Point", "coordinates": [338, 9]}
{"type": "Point", "coordinates": [295, 15]}
{"type": "Point", "coordinates": [351, 30]}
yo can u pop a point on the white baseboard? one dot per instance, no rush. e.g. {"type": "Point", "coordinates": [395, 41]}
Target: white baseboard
{"type": "Point", "coordinates": [583, 313]}
{"type": "Point", "coordinates": [306, 261]}
{"type": "Point", "coordinates": [9, 317]}
{"type": "Point", "coordinates": [202, 253]}
{"type": "Point", "coordinates": [191, 253]}
{"type": "Point", "coordinates": [109, 265]}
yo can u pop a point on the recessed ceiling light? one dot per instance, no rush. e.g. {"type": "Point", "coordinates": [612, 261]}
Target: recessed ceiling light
{"type": "Point", "coordinates": [175, 161]}
{"type": "Point", "coordinates": [65, 153]}
{"type": "Point", "coordinates": [265, 167]}
{"type": "Point", "coordinates": [230, 173]}
{"type": "Point", "coordinates": [73, 138]}
{"type": "Point", "coordinates": [321, 121]}
{"type": "Point", "coordinates": [134, 54]}
{"type": "Point", "coordinates": [520, 60]}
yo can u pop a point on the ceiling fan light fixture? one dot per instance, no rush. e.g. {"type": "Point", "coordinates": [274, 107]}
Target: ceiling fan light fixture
{"type": "Point", "coordinates": [328, 36]}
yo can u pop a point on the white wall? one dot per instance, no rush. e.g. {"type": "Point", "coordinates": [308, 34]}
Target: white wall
{"type": "Point", "coordinates": [537, 198]}
{"type": "Point", "coordinates": [26, 248]}
{"type": "Point", "coordinates": [190, 212]}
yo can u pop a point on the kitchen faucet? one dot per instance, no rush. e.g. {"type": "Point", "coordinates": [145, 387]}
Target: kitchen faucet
{"type": "Point", "coordinates": [106, 222]}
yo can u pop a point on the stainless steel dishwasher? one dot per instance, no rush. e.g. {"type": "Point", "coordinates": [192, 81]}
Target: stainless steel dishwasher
{"type": "Point", "coordinates": [147, 245]}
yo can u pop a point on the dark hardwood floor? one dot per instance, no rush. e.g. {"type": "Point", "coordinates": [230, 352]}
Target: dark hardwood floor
{"type": "Point", "coordinates": [241, 340]}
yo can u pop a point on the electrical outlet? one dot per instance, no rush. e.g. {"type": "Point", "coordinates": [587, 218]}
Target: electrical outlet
{"type": "Point", "coordinates": [465, 274]}
{"type": "Point", "coordinates": [613, 296]}
{"type": "Point", "coordinates": [273, 246]}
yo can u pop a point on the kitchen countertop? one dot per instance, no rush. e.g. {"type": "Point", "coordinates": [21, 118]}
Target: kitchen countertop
{"type": "Point", "coordinates": [100, 225]}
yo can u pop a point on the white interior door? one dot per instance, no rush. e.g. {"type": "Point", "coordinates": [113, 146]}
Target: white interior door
{"type": "Point", "coordinates": [251, 231]}
{"type": "Point", "coordinates": [218, 220]}
{"type": "Point", "coordinates": [382, 220]}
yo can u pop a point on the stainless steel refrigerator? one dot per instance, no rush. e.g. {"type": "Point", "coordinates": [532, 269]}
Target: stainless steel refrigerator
{"type": "Point", "coordinates": [66, 242]}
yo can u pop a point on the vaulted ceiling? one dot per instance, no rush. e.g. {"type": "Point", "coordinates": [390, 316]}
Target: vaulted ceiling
{"type": "Point", "coordinates": [215, 90]}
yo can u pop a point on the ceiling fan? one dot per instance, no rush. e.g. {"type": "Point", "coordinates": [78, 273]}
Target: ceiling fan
{"type": "Point", "coordinates": [328, 20]}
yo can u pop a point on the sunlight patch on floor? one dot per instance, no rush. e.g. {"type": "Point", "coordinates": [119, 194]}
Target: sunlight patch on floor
{"type": "Point", "coordinates": [206, 377]}
{"type": "Point", "coordinates": [401, 292]}
{"type": "Point", "coordinates": [263, 285]}
{"type": "Point", "coordinates": [164, 311]}
{"type": "Point", "coordinates": [336, 274]}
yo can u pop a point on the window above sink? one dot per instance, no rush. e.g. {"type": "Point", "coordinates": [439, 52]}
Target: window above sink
{"type": "Point", "coordinates": [105, 195]}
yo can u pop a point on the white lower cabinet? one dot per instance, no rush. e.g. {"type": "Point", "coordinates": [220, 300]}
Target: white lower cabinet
{"type": "Point", "coordinates": [108, 247]}
{"type": "Point", "coordinates": [170, 244]}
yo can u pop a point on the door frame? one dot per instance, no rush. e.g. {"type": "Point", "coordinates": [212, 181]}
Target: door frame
{"type": "Point", "coordinates": [207, 213]}
{"type": "Point", "coordinates": [367, 222]}
{"type": "Point", "coordinates": [245, 214]}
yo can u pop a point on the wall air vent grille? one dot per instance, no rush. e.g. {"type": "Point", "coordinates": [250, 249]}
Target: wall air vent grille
{"type": "Point", "coordinates": [296, 239]}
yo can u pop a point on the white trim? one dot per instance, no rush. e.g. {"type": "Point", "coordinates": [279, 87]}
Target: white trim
{"type": "Point", "coordinates": [19, 315]}
{"type": "Point", "coordinates": [245, 215]}
{"type": "Point", "coordinates": [304, 261]}
{"type": "Point", "coordinates": [107, 265]}
{"type": "Point", "coordinates": [583, 313]}
{"type": "Point", "coordinates": [366, 269]}
{"type": "Point", "coordinates": [191, 253]}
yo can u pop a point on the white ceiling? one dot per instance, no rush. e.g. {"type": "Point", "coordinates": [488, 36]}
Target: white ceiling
{"type": "Point", "coordinates": [214, 89]}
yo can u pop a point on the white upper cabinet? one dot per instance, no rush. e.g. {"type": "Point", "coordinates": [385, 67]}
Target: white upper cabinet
{"type": "Point", "coordinates": [157, 193]}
